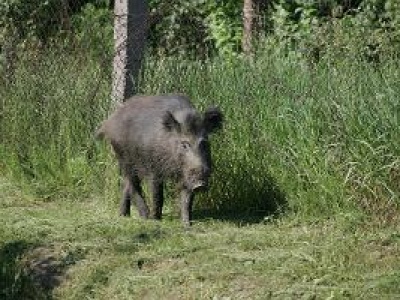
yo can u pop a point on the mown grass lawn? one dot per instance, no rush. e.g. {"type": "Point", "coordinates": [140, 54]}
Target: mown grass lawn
{"type": "Point", "coordinates": [82, 250]}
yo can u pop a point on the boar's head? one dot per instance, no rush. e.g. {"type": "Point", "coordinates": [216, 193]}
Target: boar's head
{"type": "Point", "coordinates": [189, 131]}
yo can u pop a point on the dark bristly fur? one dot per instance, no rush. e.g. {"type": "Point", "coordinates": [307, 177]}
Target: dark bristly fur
{"type": "Point", "coordinates": [161, 137]}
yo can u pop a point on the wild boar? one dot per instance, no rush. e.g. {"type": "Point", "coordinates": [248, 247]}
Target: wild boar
{"type": "Point", "coordinates": [158, 138]}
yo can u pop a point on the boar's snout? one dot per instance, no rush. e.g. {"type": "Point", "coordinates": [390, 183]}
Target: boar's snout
{"type": "Point", "coordinates": [197, 179]}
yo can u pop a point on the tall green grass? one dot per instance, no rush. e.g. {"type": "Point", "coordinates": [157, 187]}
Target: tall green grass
{"type": "Point", "coordinates": [49, 115]}
{"type": "Point", "coordinates": [316, 141]}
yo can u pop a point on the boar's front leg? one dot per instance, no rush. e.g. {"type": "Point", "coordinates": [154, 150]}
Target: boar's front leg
{"type": "Point", "coordinates": [157, 194]}
{"type": "Point", "coordinates": [186, 206]}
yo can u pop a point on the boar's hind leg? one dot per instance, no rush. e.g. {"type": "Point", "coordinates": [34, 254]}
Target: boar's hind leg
{"type": "Point", "coordinates": [132, 188]}
{"type": "Point", "coordinates": [125, 169]}
{"type": "Point", "coordinates": [141, 205]}
{"type": "Point", "coordinates": [125, 207]}
{"type": "Point", "coordinates": [157, 193]}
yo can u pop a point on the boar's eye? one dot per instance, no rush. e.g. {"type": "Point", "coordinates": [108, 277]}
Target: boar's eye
{"type": "Point", "coordinates": [185, 145]}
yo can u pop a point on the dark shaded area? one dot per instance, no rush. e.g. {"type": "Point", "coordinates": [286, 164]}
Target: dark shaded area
{"type": "Point", "coordinates": [148, 236]}
{"type": "Point", "coordinates": [15, 282]}
{"type": "Point", "coordinates": [248, 198]}
{"type": "Point", "coordinates": [31, 272]}
{"type": "Point", "coordinates": [46, 270]}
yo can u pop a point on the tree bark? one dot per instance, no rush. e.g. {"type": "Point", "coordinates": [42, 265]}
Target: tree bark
{"type": "Point", "coordinates": [248, 26]}
{"type": "Point", "coordinates": [130, 31]}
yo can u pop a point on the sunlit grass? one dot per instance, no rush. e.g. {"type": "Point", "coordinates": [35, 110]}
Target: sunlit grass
{"type": "Point", "coordinates": [96, 255]}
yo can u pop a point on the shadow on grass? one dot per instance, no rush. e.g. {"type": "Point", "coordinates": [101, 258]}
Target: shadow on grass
{"type": "Point", "coordinates": [245, 198]}
{"type": "Point", "coordinates": [28, 271]}
{"type": "Point", "coordinates": [15, 282]}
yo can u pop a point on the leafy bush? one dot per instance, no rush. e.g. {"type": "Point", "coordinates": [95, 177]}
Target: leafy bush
{"type": "Point", "coordinates": [93, 30]}
{"type": "Point", "coordinates": [225, 26]}
{"type": "Point", "coordinates": [196, 27]}
{"type": "Point", "coordinates": [364, 30]}
{"type": "Point", "coordinates": [178, 28]}
{"type": "Point", "coordinates": [30, 20]}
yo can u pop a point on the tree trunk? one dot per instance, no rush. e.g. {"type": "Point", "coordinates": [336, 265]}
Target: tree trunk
{"type": "Point", "coordinates": [248, 26]}
{"type": "Point", "coordinates": [130, 31]}
{"type": "Point", "coordinates": [65, 15]}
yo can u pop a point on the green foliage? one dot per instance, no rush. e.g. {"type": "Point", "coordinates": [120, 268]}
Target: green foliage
{"type": "Point", "coordinates": [38, 19]}
{"type": "Point", "coordinates": [364, 30]}
{"type": "Point", "coordinates": [196, 27]}
{"type": "Point", "coordinates": [199, 27]}
{"type": "Point", "coordinates": [33, 19]}
{"type": "Point", "coordinates": [178, 28]}
{"type": "Point", "coordinates": [294, 24]}
{"type": "Point", "coordinates": [225, 26]}
{"type": "Point", "coordinates": [93, 30]}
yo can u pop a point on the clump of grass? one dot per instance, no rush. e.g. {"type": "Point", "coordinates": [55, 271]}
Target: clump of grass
{"type": "Point", "coordinates": [49, 115]}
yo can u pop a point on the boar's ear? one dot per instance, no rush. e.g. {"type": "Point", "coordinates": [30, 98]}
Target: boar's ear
{"type": "Point", "coordinates": [213, 119]}
{"type": "Point", "coordinates": [170, 123]}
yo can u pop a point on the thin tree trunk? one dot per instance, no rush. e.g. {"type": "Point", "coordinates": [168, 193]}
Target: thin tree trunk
{"type": "Point", "coordinates": [248, 26]}
{"type": "Point", "coordinates": [65, 16]}
{"type": "Point", "coordinates": [130, 31]}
